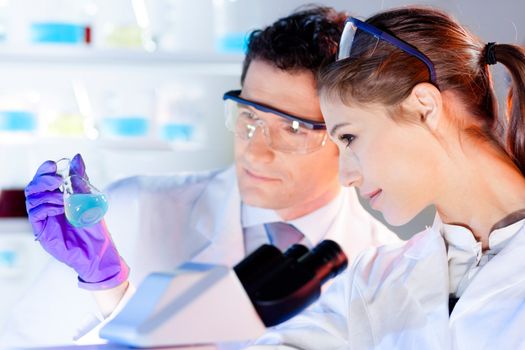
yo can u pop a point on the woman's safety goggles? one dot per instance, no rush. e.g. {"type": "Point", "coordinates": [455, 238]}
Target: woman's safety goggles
{"type": "Point", "coordinates": [282, 132]}
{"type": "Point", "coordinates": [360, 39]}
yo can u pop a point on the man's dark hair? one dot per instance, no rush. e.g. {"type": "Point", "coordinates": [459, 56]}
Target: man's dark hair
{"type": "Point", "coordinates": [305, 40]}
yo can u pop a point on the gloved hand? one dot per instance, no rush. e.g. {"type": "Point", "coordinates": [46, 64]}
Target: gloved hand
{"type": "Point", "coordinates": [88, 250]}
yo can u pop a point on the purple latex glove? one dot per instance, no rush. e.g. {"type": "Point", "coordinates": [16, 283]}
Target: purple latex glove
{"type": "Point", "coordinates": [88, 250]}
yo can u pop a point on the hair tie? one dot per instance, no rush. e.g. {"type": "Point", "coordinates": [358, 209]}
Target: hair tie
{"type": "Point", "coordinates": [490, 54]}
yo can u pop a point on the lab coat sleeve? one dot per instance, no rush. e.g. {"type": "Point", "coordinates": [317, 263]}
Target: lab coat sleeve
{"type": "Point", "coordinates": [91, 336]}
{"type": "Point", "coordinates": [53, 312]}
{"type": "Point", "coordinates": [338, 320]}
{"type": "Point", "coordinates": [148, 219]}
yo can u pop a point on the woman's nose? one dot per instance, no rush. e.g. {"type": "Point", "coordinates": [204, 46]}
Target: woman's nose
{"type": "Point", "coordinates": [350, 174]}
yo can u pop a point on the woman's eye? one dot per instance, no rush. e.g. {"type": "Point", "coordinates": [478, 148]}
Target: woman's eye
{"type": "Point", "coordinates": [347, 139]}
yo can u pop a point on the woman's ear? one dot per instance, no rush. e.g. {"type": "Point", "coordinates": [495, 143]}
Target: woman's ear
{"type": "Point", "coordinates": [425, 100]}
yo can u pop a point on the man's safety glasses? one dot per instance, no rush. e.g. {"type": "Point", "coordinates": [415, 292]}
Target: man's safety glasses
{"type": "Point", "coordinates": [360, 39]}
{"type": "Point", "coordinates": [282, 132]}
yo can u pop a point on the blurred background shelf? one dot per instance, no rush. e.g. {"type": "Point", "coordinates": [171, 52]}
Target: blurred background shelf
{"type": "Point", "coordinates": [90, 55]}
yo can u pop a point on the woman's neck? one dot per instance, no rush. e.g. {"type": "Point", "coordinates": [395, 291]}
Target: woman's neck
{"type": "Point", "coordinates": [484, 188]}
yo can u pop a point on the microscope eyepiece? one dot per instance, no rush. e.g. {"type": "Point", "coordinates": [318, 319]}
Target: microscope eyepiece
{"type": "Point", "coordinates": [280, 285]}
{"type": "Point", "coordinates": [296, 251]}
{"type": "Point", "coordinates": [326, 260]}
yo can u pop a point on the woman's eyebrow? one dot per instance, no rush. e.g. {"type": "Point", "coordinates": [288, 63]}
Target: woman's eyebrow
{"type": "Point", "coordinates": [337, 126]}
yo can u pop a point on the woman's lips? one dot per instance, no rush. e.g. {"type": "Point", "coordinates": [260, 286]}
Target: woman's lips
{"type": "Point", "coordinates": [372, 197]}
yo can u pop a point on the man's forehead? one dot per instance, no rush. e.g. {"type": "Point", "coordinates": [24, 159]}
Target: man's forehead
{"type": "Point", "coordinates": [291, 92]}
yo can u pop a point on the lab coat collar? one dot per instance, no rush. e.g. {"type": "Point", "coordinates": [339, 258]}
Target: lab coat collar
{"type": "Point", "coordinates": [317, 224]}
{"type": "Point", "coordinates": [221, 227]}
{"type": "Point", "coordinates": [462, 238]}
{"type": "Point", "coordinates": [254, 216]}
{"type": "Point", "coordinates": [499, 237]}
{"type": "Point", "coordinates": [427, 242]}
{"type": "Point", "coordinates": [505, 270]}
{"type": "Point", "coordinates": [313, 226]}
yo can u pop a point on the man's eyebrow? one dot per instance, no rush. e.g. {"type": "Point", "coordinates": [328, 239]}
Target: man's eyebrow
{"type": "Point", "coordinates": [337, 126]}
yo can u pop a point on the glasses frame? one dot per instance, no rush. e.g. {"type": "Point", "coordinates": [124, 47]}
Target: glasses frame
{"type": "Point", "coordinates": [381, 35]}
{"type": "Point", "coordinates": [309, 124]}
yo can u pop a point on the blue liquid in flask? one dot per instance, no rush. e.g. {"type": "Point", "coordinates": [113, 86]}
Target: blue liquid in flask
{"type": "Point", "coordinates": [85, 209]}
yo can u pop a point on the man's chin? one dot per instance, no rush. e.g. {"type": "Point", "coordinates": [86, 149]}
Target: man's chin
{"type": "Point", "coordinates": [260, 199]}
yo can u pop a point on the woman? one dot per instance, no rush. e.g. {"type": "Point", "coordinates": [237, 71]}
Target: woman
{"type": "Point", "coordinates": [415, 117]}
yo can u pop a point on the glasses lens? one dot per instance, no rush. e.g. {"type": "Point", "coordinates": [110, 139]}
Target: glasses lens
{"type": "Point", "coordinates": [362, 40]}
{"type": "Point", "coordinates": [356, 42]}
{"type": "Point", "coordinates": [280, 134]}
{"type": "Point", "coordinates": [291, 137]}
{"type": "Point", "coordinates": [240, 119]}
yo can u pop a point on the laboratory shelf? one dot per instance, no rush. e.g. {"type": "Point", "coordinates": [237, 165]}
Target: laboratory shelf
{"type": "Point", "coordinates": [115, 144]}
{"type": "Point", "coordinates": [91, 55]}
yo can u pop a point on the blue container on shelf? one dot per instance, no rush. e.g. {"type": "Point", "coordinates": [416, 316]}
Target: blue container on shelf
{"type": "Point", "coordinates": [17, 121]}
{"type": "Point", "coordinates": [232, 43]}
{"type": "Point", "coordinates": [59, 33]}
{"type": "Point", "coordinates": [177, 132]}
{"type": "Point", "coordinates": [125, 126]}
{"type": "Point", "coordinates": [7, 258]}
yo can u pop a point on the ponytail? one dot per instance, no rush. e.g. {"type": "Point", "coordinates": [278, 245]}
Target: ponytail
{"type": "Point", "coordinates": [513, 58]}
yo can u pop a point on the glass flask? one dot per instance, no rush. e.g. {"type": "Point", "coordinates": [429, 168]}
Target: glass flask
{"type": "Point", "coordinates": [84, 204]}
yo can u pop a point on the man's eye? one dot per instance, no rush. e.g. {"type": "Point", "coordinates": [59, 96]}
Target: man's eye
{"type": "Point", "coordinates": [293, 128]}
{"type": "Point", "coordinates": [247, 114]}
{"type": "Point", "coordinates": [346, 139]}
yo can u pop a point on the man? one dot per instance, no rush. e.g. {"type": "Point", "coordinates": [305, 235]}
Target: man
{"type": "Point", "coordinates": [285, 171]}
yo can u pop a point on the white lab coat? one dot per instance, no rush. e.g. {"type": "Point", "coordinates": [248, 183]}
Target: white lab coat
{"type": "Point", "coordinates": [396, 297]}
{"type": "Point", "coordinates": [157, 223]}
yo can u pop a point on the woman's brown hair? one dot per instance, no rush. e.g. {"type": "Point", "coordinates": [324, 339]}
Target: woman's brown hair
{"type": "Point", "coordinates": [385, 74]}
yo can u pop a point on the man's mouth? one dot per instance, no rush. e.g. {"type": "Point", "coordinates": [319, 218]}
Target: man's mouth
{"type": "Point", "coordinates": [258, 176]}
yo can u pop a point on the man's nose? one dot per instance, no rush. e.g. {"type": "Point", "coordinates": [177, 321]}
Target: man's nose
{"type": "Point", "coordinates": [350, 174]}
